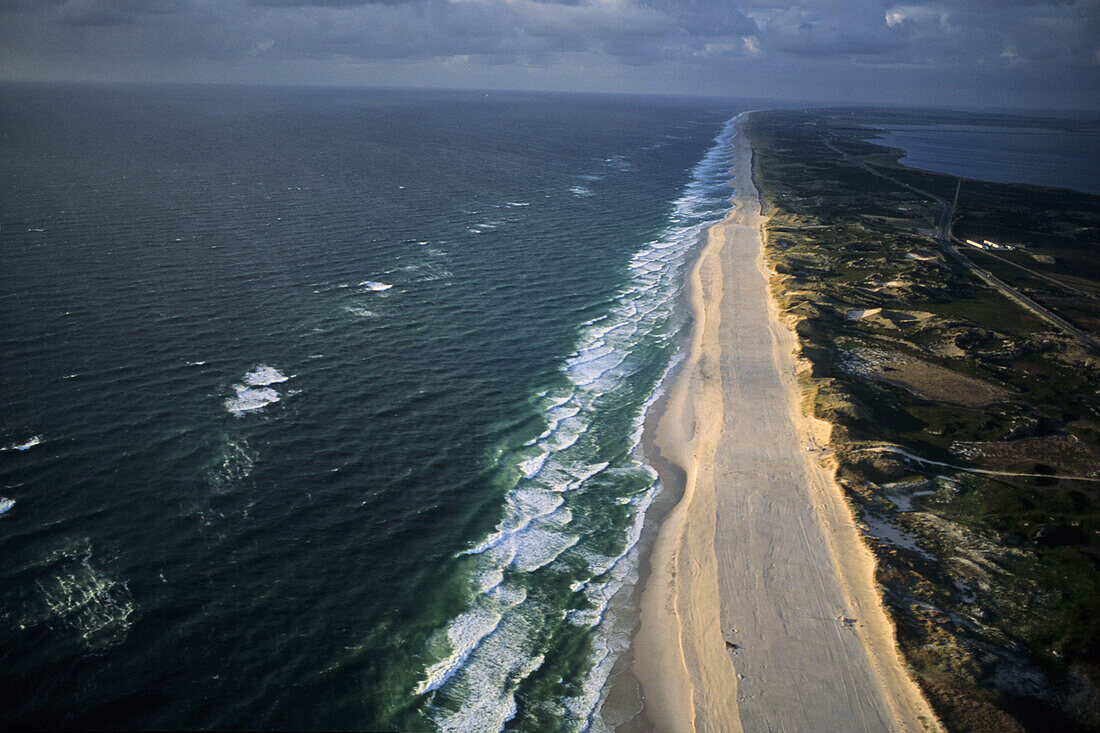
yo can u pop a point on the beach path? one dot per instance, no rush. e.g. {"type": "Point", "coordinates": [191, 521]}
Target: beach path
{"type": "Point", "coordinates": [761, 611]}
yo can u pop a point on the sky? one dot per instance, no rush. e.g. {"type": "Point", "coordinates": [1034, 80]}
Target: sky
{"type": "Point", "coordinates": [952, 53]}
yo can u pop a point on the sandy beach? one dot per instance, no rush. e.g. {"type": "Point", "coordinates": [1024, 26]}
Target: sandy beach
{"type": "Point", "coordinates": [760, 611]}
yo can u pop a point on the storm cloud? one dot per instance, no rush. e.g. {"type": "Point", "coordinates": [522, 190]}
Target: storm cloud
{"type": "Point", "coordinates": [979, 52]}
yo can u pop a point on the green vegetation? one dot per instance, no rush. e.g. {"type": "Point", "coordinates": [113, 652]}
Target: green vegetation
{"type": "Point", "coordinates": [993, 579]}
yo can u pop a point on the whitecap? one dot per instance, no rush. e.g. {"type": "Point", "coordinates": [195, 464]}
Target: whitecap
{"type": "Point", "coordinates": [26, 445]}
{"type": "Point", "coordinates": [375, 286]}
{"type": "Point", "coordinates": [263, 375]}
{"type": "Point", "coordinates": [6, 504]}
{"type": "Point", "coordinates": [250, 399]}
{"type": "Point", "coordinates": [581, 191]}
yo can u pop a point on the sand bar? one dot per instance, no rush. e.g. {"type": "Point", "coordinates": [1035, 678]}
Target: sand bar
{"type": "Point", "coordinates": [760, 611]}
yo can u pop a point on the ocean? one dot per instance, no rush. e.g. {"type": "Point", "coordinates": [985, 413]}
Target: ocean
{"type": "Point", "coordinates": [1041, 156]}
{"type": "Point", "coordinates": [322, 408]}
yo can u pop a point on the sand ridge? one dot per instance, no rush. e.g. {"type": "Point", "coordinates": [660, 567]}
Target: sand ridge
{"type": "Point", "coordinates": [760, 611]}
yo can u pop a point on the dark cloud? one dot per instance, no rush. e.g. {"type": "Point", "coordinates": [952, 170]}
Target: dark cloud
{"type": "Point", "coordinates": [847, 31]}
{"type": "Point", "coordinates": [706, 18]}
{"type": "Point", "coordinates": [112, 12]}
{"type": "Point", "coordinates": [325, 3]}
{"type": "Point", "coordinates": [24, 5]}
{"type": "Point", "coordinates": [756, 47]}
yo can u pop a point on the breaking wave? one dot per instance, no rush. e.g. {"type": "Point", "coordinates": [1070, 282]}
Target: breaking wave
{"type": "Point", "coordinates": [574, 513]}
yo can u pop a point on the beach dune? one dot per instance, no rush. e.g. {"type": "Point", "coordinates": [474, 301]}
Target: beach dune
{"type": "Point", "coordinates": [760, 611]}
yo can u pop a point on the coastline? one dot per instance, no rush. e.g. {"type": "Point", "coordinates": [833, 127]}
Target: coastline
{"type": "Point", "coordinates": [760, 608]}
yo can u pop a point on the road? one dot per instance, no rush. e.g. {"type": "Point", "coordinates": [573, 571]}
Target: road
{"type": "Point", "coordinates": [946, 242]}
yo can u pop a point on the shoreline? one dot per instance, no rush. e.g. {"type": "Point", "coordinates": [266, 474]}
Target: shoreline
{"type": "Point", "coordinates": [760, 607]}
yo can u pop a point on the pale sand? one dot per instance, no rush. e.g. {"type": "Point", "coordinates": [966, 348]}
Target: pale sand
{"type": "Point", "coordinates": [762, 550]}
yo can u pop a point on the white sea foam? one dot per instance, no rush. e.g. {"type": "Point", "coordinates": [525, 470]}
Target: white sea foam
{"type": "Point", "coordinates": [532, 465]}
{"type": "Point", "coordinates": [489, 689]}
{"type": "Point", "coordinates": [464, 633]}
{"type": "Point", "coordinates": [255, 391]}
{"type": "Point", "coordinates": [619, 162]}
{"type": "Point", "coordinates": [566, 433]}
{"type": "Point", "coordinates": [358, 310]}
{"type": "Point", "coordinates": [86, 599]}
{"type": "Point", "coordinates": [485, 226]}
{"type": "Point", "coordinates": [25, 445]}
{"type": "Point", "coordinates": [564, 411]}
{"type": "Point", "coordinates": [237, 460]}
{"type": "Point", "coordinates": [489, 578]}
{"type": "Point", "coordinates": [535, 502]}
{"type": "Point", "coordinates": [587, 373]}
{"type": "Point", "coordinates": [375, 286]}
{"type": "Point", "coordinates": [263, 375]}
{"type": "Point", "coordinates": [429, 272]}
{"type": "Point", "coordinates": [6, 504]}
{"type": "Point", "coordinates": [587, 471]}
{"type": "Point", "coordinates": [541, 546]}
{"type": "Point", "coordinates": [581, 191]}
{"type": "Point", "coordinates": [484, 663]}
{"type": "Point", "coordinates": [555, 398]}
{"type": "Point", "coordinates": [483, 690]}
{"type": "Point", "coordinates": [250, 399]}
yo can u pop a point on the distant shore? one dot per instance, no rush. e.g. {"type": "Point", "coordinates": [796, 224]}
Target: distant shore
{"type": "Point", "coordinates": [760, 609]}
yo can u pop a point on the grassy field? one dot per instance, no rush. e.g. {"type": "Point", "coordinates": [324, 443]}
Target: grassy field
{"type": "Point", "coordinates": [938, 387]}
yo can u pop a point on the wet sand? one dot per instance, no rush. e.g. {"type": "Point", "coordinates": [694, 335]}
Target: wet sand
{"type": "Point", "coordinates": [760, 610]}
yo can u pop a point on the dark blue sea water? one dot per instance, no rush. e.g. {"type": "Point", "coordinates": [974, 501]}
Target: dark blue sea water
{"type": "Point", "coordinates": [321, 409]}
{"type": "Point", "coordinates": [1042, 156]}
